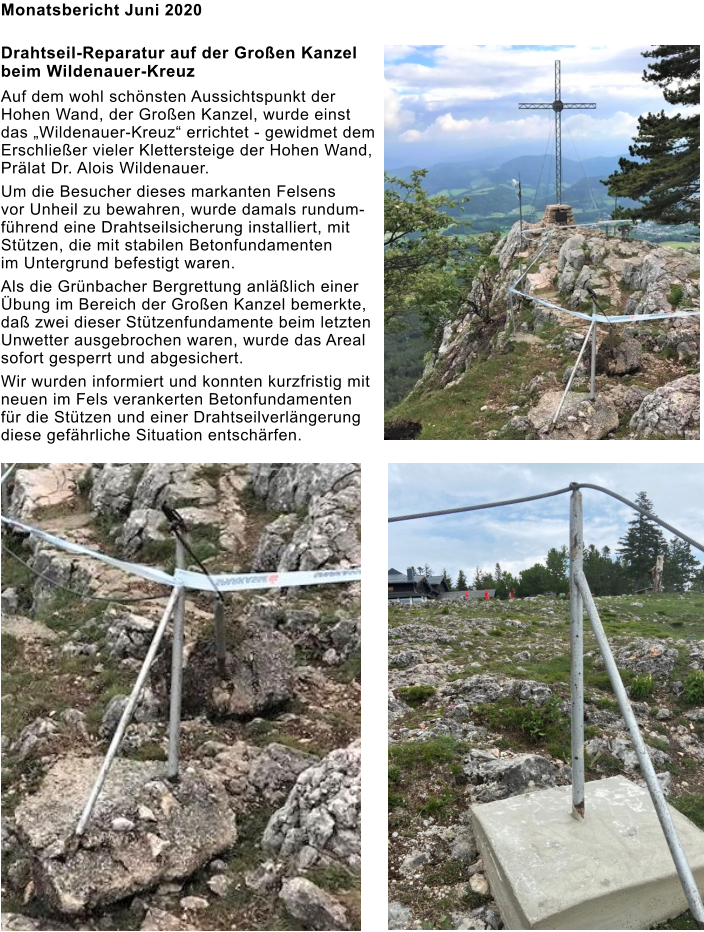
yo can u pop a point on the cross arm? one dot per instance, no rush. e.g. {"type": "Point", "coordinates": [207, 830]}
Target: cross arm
{"type": "Point", "coordinates": [535, 106]}
{"type": "Point", "coordinates": [579, 106]}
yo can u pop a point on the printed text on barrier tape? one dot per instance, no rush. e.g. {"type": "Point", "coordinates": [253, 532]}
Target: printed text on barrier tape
{"type": "Point", "coordinates": [226, 582]}
{"type": "Point", "coordinates": [230, 583]}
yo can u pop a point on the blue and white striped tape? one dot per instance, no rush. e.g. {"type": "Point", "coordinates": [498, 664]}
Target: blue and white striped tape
{"type": "Point", "coordinates": [602, 318]}
{"type": "Point", "coordinates": [225, 582]}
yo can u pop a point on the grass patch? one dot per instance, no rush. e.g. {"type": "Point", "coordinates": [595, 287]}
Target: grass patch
{"type": "Point", "coordinates": [441, 750]}
{"type": "Point", "coordinates": [332, 878]}
{"type": "Point", "coordinates": [691, 806]}
{"type": "Point", "coordinates": [416, 695]}
{"type": "Point", "coordinates": [435, 804]}
{"type": "Point", "coordinates": [455, 413]}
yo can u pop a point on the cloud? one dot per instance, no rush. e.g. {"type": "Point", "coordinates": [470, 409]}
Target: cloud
{"type": "Point", "coordinates": [518, 536]}
{"type": "Point", "coordinates": [395, 116]}
{"type": "Point", "coordinates": [395, 52]}
{"type": "Point", "coordinates": [456, 93]}
{"type": "Point", "coordinates": [619, 126]}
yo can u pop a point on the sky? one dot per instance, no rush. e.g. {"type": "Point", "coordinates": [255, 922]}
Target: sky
{"type": "Point", "coordinates": [458, 103]}
{"type": "Point", "coordinates": [520, 535]}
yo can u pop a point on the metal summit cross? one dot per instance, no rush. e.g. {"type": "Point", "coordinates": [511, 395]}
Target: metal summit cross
{"type": "Point", "coordinates": [558, 106]}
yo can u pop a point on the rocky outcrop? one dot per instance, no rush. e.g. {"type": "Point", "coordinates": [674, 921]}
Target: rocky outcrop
{"type": "Point", "coordinates": [328, 534]}
{"type": "Point", "coordinates": [493, 778]}
{"type": "Point", "coordinates": [321, 817]}
{"type": "Point", "coordinates": [123, 852]}
{"type": "Point", "coordinates": [580, 418]}
{"type": "Point", "coordinates": [671, 410]}
{"type": "Point", "coordinates": [315, 908]}
{"type": "Point", "coordinates": [259, 674]}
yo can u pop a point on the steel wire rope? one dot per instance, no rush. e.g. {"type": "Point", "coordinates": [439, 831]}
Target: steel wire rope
{"type": "Point", "coordinates": [545, 155]}
{"type": "Point", "coordinates": [80, 595]}
{"type": "Point", "coordinates": [581, 165]}
{"type": "Point", "coordinates": [573, 486]}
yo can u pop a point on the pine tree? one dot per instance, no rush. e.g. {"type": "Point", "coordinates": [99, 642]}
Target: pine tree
{"type": "Point", "coordinates": [698, 580]}
{"type": "Point", "coordinates": [461, 582]}
{"type": "Point", "coordinates": [498, 574]}
{"type": "Point", "coordinates": [448, 579]}
{"type": "Point", "coordinates": [681, 566]}
{"type": "Point", "coordinates": [556, 563]}
{"type": "Point", "coordinates": [666, 173]}
{"type": "Point", "coordinates": [641, 544]}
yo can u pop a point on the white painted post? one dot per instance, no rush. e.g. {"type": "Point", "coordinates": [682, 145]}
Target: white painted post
{"type": "Point", "coordinates": [592, 393]}
{"type": "Point", "coordinates": [576, 655]}
{"type": "Point", "coordinates": [5, 498]}
{"type": "Point", "coordinates": [127, 714]}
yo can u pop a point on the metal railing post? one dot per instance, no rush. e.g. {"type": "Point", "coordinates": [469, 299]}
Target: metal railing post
{"type": "Point", "coordinates": [219, 629]}
{"type": "Point", "coordinates": [176, 670]}
{"type": "Point", "coordinates": [592, 393]}
{"type": "Point", "coordinates": [592, 327]}
{"type": "Point", "coordinates": [5, 501]}
{"type": "Point", "coordinates": [126, 714]}
{"type": "Point", "coordinates": [684, 871]}
{"type": "Point", "coordinates": [576, 655]}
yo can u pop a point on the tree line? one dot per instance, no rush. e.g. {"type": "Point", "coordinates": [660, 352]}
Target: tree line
{"type": "Point", "coordinates": [628, 570]}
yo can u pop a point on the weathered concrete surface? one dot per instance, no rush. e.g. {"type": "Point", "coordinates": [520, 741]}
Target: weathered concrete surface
{"type": "Point", "coordinates": [612, 871]}
{"type": "Point", "coordinates": [122, 853]}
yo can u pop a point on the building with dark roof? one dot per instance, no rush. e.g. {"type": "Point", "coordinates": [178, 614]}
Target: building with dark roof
{"type": "Point", "coordinates": [412, 585]}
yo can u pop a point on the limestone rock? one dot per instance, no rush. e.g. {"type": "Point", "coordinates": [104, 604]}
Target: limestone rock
{"type": "Point", "coordinates": [322, 810]}
{"type": "Point", "coordinates": [328, 535]}
{"type": "Point", "coordinates": [46, 486]}
{"type": "Point", "coordinates": [273, 541]}
{"type": "Point", "coordinates": [195, 824]}
{"type": "Point", "coordinates": [259, 673]}
{"type": "Point", "coordinates": [672, 410]}
{"type": "Point", "coordinates": [158, 920]}
{"type": "Point", "coordinates": [580, 418]}
{"type": "Point", "coordinates": [400, 916]}
{"type": "Point", "coordinates": [397, 708]}
{"type": "Point", "coordinates": [625, 356]}
{"type": "Point", "coordinates": [313, 906]}
{"type": "Point", "coordinates": [113, 488]}
{"type": "Point", "coordinates": [499, 778]}
{"type": "Point", "coordinates": [127, 635]}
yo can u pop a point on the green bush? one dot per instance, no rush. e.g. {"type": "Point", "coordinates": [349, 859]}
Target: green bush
{"type": "Point", "coordinates": [416, 695]}
{"type": "Point", "coordinates": [694, 687]}
{"type": "Point", "coordinates": [676, 295]}
{"type": "Point", "coordinates": [641, 686]}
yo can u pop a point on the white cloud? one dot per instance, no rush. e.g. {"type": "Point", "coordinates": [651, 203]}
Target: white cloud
{"type": "Point", "coordinates": [473, 90]}
{"type": "Point", "coordinates": [619, 126]}
{"type": "Point", "coordinates": [521, 535]}
{"type": "Point", "coordinates": [395, 116]}
{"type": "Point", "coordinates": [395, 52]}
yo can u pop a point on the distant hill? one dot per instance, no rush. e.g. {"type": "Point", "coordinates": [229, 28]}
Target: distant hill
{"type": "Point", "coordinates": [529, 167]}
{"type": "Point", "coordinates": [460, 176]}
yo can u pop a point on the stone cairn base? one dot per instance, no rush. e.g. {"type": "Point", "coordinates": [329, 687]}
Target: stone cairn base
{"type": "Point", "coordinates": [557, 214]}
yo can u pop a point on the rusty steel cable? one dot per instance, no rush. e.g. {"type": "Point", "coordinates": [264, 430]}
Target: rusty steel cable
{"type": "Point", "coordinates": [573, 486]}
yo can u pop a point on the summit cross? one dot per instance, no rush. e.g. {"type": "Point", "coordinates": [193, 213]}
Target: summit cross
{"type": "Point", "coordinates": [558, 106]}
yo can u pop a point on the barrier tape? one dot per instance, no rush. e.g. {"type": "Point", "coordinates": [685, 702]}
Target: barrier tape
{"type": "Point", "coordinates": [602, 318]}
{"type": "Point", "coordinates": [234, 582]}
{"type": "Point", "coordinates": [226, 582]}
